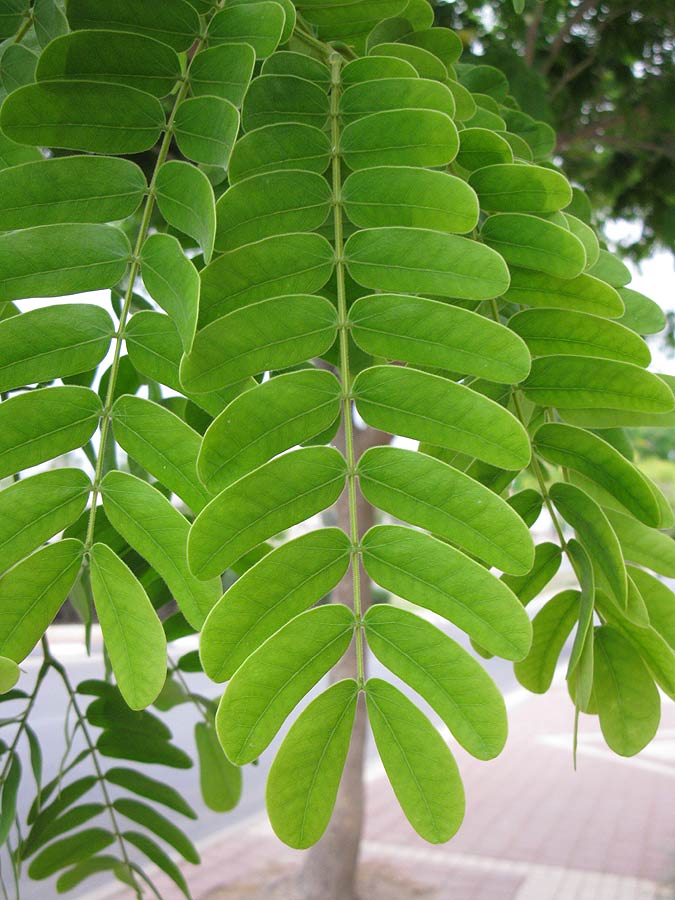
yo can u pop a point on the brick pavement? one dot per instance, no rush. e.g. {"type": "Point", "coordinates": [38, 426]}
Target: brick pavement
{"type": "Point", "coordinates": [534, 828]}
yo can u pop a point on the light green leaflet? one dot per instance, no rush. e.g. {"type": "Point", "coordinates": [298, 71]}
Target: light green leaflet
{"type": "Point", "coordinates": [527, 503]}
{"type": "Point", "coordinates": [273, 99]}
{"type": "Point", "coordinates": [442, 42]}
{"type": "Point", "coordinates": [642, 545]}
{"type": "Point", "coordinates": [159, 533]}
{"type": "Point", "coordinates": [206, 129]}
{"type": "Point", "coordinates": [534, 243]}
{"type": "Point", "coordinates": [370, 97]}
{"type": "Point", "coordinates": [33, 592]}
{"type": "Point", "coordinates": [55, 260]}
{"type": "Point", "coordinates": [224, 71]}
{"type": "Point", "coordinates": [273, 203]}
{"type": "Point", "coordinates": [290, 146]}
{"type": "Point", "coordinates": [289, 22]}
{"type": "Point", "coordinates": [259, 24]}
{"type": "Point", "coordinates": [484, 79]}
{"type": "Point", "coordinates": [432, 574]}
{"type": "Point", "coordinates": [611, 270]}
{"type": "Point", "coordinates": [173, 282]}
{"type": "Point", "coordinates": [580, 665]}
{"type": "Point", "coordinates": [443, 673]}
{"type": "Point", "coordinates": [185, 199]}
{"type": "Point", "coordinates": [52, 342]}
{"type": "Point", "coordinates": [660, 603]}
{"type": "Point", "coordinates": [133, 634]}
{"type": "Point", "coordinates": [547, 559]}
{"type": "Point", "coordinates": [431, 333]}
{"type": "Point", "coordinates": [290, 62]}
{"type": "Point", "coordinates": [175, 23]}
{"type": "Point", "coordinates": [595, 533]}
{"type": "Point", "coordinates": [83, 115]}
{"type": "Point", "coordinates": [9, 674]}
{"type": "Point", "coordinates": [18, 67]}
{"type": "Point", "coordinates": [400, 137]}
{"type": "Point", "coordinates": [43, 424]}
{"type": "Point", "coordinates": [372, 68]}
{"type": "Point", "coordinates": [642, 314]}
{"type": "Point", "coordinates": [304, 778]}
{"type": "Point", "coordinates": [627, 699]}
{"type": "Point", "coordinates": [281, 585]}
{"type": "Point", "coordinates": [520, 188]}
{"type": "Point", "coordinates": [540, 136]}
{"type": "Point", "coordinates": [155, 822]}
{"type": "Point", "coordinates": [426, 407]}
{"type": "Point", "coordinates": [279, 494]}
{"type": "Point", "coordinates": [346, 20]}
{"type": "Point", "coordinates": [584, 293]}
{"type": "Point", "coordinates": [418, 763]}
{"type": "Point", "coordinates": [272, 334]}
{"type": "Point", "coordinates": [585, 452]}
{"type": "Point", "coordinates": [278, 265]}
{"type": "Point", "coordinates": [550, 629]}
{"type": "Point", "coordinates": [36, 508]}
{"type": "Point", "coordinates": [610, 499]}
{"type": "Point", "coordinates": [550, 332]}
{"type": "Point", "coordinates": [115, 57]}
{"type": "Point", "coordinates": [579, 382]}
{"type": "Point", "coordinates": [416, 260]}
{"type": "Point", "coordinates": [272, 417]}
{"type": "Point", "coordinates": [480, 147]}
{"type": "Point", "coordinates": [427, 63]}
{"type": "Point", "coordinates": [416, 198]}
{"type": "Point", "coordinates": [431, 494]}
{"type": "Point", "coordinates": [267, 687]}
{"type": "Point", "coordinates": [220, 781]}
{"type": "Point", "coordinates": [69, 189]}
{"type": "Point", "coordinates": [464, 103]}
{"type": "Point", "coordinates": [78, 848]}
{"type": "Point", "coordinates": [587, 237]}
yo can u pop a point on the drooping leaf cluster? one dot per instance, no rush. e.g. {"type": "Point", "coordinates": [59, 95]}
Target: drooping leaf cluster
{"type": "Point", "coordinates": [332, 214]}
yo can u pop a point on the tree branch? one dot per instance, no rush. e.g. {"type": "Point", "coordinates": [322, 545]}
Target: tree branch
{"type": "Point", "coordinates": [559, 40]}
{"type": "Point", "coordinates": [533, 34]}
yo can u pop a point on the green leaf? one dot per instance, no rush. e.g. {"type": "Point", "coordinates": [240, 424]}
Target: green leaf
{"type": "Point", "coordinates": [42, 816]}
{"type": "Point", "coordinates": [173, 282]}
{"type": "Point", "coordinates": [271, 204]}
{"type": "Point", "coordinates": [122, 744]}
{"type": "Point", "coordinates": [550, 629]}
{"type": "Point", "coordinates": [344, 20]}
{"type": "Point", "coordinates": [174, 22]}
{"type": "Point", "coordinates": [272, 681]}
{"type": "Point", "coordinates": [206, 129]}
{"type": "Point", "coordinates": [527, 503]}
{"type": "Point", "coordinates": [158, 824]}
{"type": "Point", "coordinates": [46, 830]}
{"type": "Point", "coordinates": [547, 559]}
{"type": "Point", "coordinates": [185, 199]}
{"type": "Point", "coordinates": [69, 850]}
{"type": "Point", "coordinates": [52, 342]}
{"type": "Point", "coordinates": [585, 452]}
{"type": "Point", "coordinates": [272, 99]}
{"type": "Point", "coordinates": [442, 42]}
{"type": "Point", "coordinates": [587, 237]}
{"type": "Point", "coordinates": [610, 269]}
{"type": "Point", "coordinates": [430, 494]}
{"type": "Point", "coordinates": [133, 635]}
{"type": "Point", "coordinates": [279, 494]}
{"type": "Point", "coordinates": [69, 189]}
{"type": "Point", "coordinates": [373, 68]}
{"type": "Point", "coordinates": [533, 243]}
{"type": "Point", "coordinates": [660, 603]}
{"type": "Point", "coordinates": [480, 147]}
{"type": "Point", "coordinates": [163, 444]}
{"type": "Point", "coordinates": [159, 533]}
{"type": "Point", "coordinates": [420, 767]}
{"type": "Point", "coordinates": [368, 97]}
{"type": "Point", "coordinates": [144, 786]}
{"type": "Point", "coordinates": [595, 533]}
{"type": "Point", "coordinates": [12, 13]}
{"type": "Point", "coordinates": [275, 266]}
{"type": "Point", "coordinates": [115, 57]}
{"type": "Point", "coordinates": [288, 62]}
{"type": "Point", "coordinates": [157, 856]}
{"type": "Point", "coordinates": [49, 20]}
{"type": "Point", "coordinates": [416, 260]}
{"type": "Point", "coordinates": [642, 545]}
{"type": "Point", "coordinates": [17, 67]}
{"type": "Point", "coordinates": [35, 509]}
{"type": "Point", "coordinates": [41, 425]}
{"type": "Point", "coordinates": [427, 63]}
{"type": "Point", "coordinates": [270, 334]}
{"type": "Point", "coordinates": [9, 674]}
{"type": "Point", "coordinates": [33, 592]}
{"type": "Point", "coordinates": [399, 137]}
{"type": "Point", "coordinates": [485, 80]}
{"type": "Point", "coordinates": [259, 24]}
{"type": "Point", "coordinates": [512, 187]}
{"type": "Point", "coordinates": [578, 382]}
{"type": "Point", "coordinates": [54, 260]}
{"type": "Point", "coordinates": [220, 780]}
{"type": "Point", "coordinates": [83, 115]}
{"type": "Point", "coordinates": [305, 776]}
{"type": "Point", "coordinates": [583, 293]}
{"type": "Point", "coordinates": [429, 408]}
{"type": "Point", "coordinates": [93, 866]}
{"type": "Point", "coordinates": [224, 71]}
{"type": "Point", "coordinates": [281, 585]}
{"type": "Point", "coordinates": [642, 314]}
{"type": "Point", "coordinates": [432, 574]}
{"type": "Point", "coordinates": [272, 417]}
{"type": "Point", "coordinates": [285, 146]}
{"type": "Point", "coordinates": [550, 332]}
{"type": "Point", "coordinates": [432, 333]}
{"type": "Point", "coordinates": [444, 674]}
{"type": "Point", "coordinates": [627, 699]}
{"type": "Point", "coordinates": [10, 789]}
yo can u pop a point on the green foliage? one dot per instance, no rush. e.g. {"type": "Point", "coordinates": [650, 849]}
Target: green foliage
{"type": "Point", "coordinates": [327, 213]}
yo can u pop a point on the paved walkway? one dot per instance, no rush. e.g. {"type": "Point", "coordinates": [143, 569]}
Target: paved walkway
{"type": "Point", "coordinates": [534, 829]}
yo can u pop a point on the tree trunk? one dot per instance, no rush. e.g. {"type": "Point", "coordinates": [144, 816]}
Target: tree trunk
{"type": "Point", "coordinates": [330, 867]}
